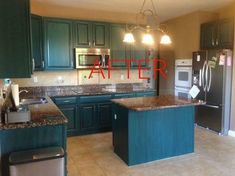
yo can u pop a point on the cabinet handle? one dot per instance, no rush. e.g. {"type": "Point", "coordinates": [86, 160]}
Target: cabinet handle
{"type": "Point", "coordinates": [33, 64]}
{"type": "Point", "coordinates": [43, 64]}
{"type": "Point", "coordinates": [89, 43]}
{"type": "Point", "coordinates": [213, 42]}
{"type": "Point", "coordinates": [217, 42]}
{"type": "Point", "coordinates": [66, 101]}
{"type": "Point", "coordinates": [93, 42]}
{"type": "Point", "coordinates": [115, 116]}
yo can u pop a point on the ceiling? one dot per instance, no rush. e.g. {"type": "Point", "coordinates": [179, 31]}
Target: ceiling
{"type": "Point", "coordinates": [166, 9]}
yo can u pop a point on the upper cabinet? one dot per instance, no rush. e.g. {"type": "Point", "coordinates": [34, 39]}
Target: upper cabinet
{"type": "Point", "coordinates": [37, 42]}
{"type": "Point", "coordinates": [217, 35]}
{"type": "Point", "coordinates": [91, 34]}
{"type": "Point", "coordinates": [58, 44]}
{"type": "Point", "coordinates": [117, 46]}
{"type": "Point", "coordinates": [137, 51]}
{"type": "Point", "coordinates": [15, 39]}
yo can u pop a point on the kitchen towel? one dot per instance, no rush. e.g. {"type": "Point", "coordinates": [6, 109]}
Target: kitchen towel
{"type": "Point", "coordinates": [15, 94]}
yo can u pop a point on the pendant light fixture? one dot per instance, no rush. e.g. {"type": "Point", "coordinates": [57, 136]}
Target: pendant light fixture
{"type": "Point", "coordinates": [149, 14]}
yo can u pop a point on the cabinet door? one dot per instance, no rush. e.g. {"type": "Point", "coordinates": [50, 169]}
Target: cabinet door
{"type": "Point", "coordinates": [83, 34]}
{"type": "Point", "coordinates": [58, 45]}
{"type": "Point", "coordinates": [209, 35]}
{"type": "Point", "coordinates": [105, 114]}
{"type": "Point", "coordinates": [118, 49]}
{"type": "Point", "coordinates": [88, 119]}
{"type": "Point", "coordinates": [15, 39]}
{"type": "Point", "coordinates": [100, 35]}
{"type": "Point", "coordinates": [70, 111]}
{"type": "Point", "coordinates": [138, 50]}
{"type": "Point", "coordinates": [37, 44]}
{"type": "Point", "coordinates": [225, 34]}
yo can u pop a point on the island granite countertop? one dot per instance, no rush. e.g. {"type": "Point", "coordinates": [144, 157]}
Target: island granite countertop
{"type": "Point", "coordinates": [157, 102]}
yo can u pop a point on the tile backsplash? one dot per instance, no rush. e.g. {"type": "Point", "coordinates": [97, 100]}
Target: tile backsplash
{"type": "Point", "coordinates": [76, 77]}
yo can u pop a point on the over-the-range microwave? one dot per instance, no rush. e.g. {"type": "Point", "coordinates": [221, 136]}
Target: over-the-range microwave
{"type": "Point", "coordinates": [87, 57]}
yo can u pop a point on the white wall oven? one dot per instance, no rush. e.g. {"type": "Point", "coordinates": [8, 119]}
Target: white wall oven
{"type": "Point", "coordinates": [183, 77]}
{"type": "Point", "coordinates": [183, 73]}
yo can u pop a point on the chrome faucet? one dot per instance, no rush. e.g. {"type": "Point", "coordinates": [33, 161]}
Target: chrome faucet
{"type": "Point", "coordinates": [26, 91]}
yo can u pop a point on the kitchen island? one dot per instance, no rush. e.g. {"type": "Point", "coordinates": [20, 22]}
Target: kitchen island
{"type": "Point", "coordinates": [151, 128]}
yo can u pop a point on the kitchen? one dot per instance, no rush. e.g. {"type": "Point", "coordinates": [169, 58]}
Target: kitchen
{"type": "Point", "coordinates": [60, 24]}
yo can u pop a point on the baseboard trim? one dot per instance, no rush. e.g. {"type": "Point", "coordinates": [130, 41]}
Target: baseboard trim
{"type": "Point", "coordinates": [231, 133]}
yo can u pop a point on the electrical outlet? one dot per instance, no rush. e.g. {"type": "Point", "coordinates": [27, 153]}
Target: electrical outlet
{"type": "Point", "coordinates": [35, 79]}
{"type": "Point", "coordinates": [122, 77]}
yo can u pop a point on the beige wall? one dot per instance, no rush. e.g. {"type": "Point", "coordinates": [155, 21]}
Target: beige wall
{"type": "Point", "coordinates": [49, 10]}
{"type": "Point", "coordinates": [60, 78]}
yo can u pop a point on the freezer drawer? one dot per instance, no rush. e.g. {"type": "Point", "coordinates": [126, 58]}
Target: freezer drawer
{"type": "Point", "coordinates": [209, 117]}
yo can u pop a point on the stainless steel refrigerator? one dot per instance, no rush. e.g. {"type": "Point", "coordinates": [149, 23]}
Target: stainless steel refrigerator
{"type": "Point", "coordinates": [212, 74]}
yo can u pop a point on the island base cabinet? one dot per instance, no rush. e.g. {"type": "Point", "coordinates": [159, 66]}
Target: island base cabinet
{"type": "Point", "coordinates": [144, 136]}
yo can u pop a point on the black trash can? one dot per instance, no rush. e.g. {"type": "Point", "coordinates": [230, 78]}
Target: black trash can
{"type": "Point", "coordinates": [38, 162]}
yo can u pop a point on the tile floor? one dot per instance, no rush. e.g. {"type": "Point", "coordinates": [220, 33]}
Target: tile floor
{"type": "Point", "coordinates": [92, 155]}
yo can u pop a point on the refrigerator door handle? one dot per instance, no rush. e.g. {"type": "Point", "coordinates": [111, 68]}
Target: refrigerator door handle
{"type": "Point", "coordinates": [209, 85]}
{"type": "Point", "coordinates": [207, 69]}
{"type": "Point", "coordinates": [203, 76]}
{"type": "Point", "coordinates": [200, 78]}
{"type": "Point", "coordinates": [211, 106]}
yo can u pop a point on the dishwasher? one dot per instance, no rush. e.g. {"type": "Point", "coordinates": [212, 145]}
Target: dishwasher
{"type": "Point", "coordinates": [38, 162]}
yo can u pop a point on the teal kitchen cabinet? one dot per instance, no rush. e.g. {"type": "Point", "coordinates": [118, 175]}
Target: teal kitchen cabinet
{"type": "Point", "coordinates": [117, 46]}
{"type": "Point", "coordinates": [70, 111]}
{"type": "Point", "coordinates": [68, 106]}
{"type": "Point", "coordinates": [105, 114]}
{"type": "Point", "coordinates": [15, 39]}
{"type": "Point", "coordinates": [91, 34]}
{"type": "Point", "coordinates": [37, 42]}
{"type": "Point", "coordinates": [226, 33]}
{"type": "Point", "coordinates": [58, 44]}
{"type": "Point", "coordinates": [95, 113]}
{"type": "Point", "coordinates": [137, 51]}
{"type": "Point", "coordinates": [218, 34]}
{"type": "Point", "coordinates": [88, 119]}
{"type": "Point", "coordinates": [83, 34]}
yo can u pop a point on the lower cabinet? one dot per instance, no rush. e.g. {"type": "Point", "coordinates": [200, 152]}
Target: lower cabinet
{"type": "Point", "coordinates": [88, 117]}
{"type": "Point", "coordinates": [105, 114]}
{"type": "Point", "coordinates": [70, 111]}
{"type": "Point", "coordinates": [91, 114]}
{"type": "Point", "coordinates": [95, 117]}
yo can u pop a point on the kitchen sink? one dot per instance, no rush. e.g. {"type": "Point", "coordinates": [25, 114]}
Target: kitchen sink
{"type": "Point", "coordinates": [36, 100]}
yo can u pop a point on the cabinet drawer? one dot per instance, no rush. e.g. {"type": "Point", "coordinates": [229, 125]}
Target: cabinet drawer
{"type": "Point", "coordinates": [125, 95]}
{"type": "Point", "coordinates": [96, 98]}
{"type": "Point", "coordinates": [66, 100]}
{"type": "Point", "coordinates": [145, 94]}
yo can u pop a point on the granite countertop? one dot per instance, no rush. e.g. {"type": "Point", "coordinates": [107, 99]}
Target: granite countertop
{"type": "Point", "coordinates": [49, 113]}
{"type": "Point", "coordinates": [153, 103]}
{"type": "Point", "coordinates": [81, 90]}
{"type": "Point", "coordinates": [41, 115]}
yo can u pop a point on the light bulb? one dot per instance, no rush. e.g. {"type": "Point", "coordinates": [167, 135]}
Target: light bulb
{"type": "Point", "coordinates": [129, 38]}
{"type": "Point", "coordinates": [148, 39]}
{"type": "Point", "coordinates": [165, 40]}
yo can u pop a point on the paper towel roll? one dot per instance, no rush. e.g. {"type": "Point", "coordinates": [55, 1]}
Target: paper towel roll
{"type": "Point", "coordinates": [15, 93]}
